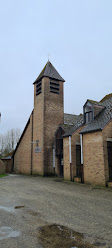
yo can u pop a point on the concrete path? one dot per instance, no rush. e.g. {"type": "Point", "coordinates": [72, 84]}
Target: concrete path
{"type": "Point", "coordinates": [27, 203]}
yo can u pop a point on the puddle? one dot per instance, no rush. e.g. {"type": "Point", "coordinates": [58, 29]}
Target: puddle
{"type": "Point", "coordinates": [7, 209]}
{"type": "Point", "coordinates": [8, 232]}
{"type": "Point", "coordinates": [56, 236]}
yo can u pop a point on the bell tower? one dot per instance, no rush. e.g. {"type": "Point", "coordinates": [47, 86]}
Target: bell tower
{"type": "Point", "coordinates": [48, 115]}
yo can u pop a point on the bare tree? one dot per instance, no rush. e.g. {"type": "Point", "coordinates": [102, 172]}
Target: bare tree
{"type": "Point", "coordinates": [9, 140]}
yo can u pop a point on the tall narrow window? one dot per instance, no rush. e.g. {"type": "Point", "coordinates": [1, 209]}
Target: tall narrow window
{"type": "Point", "coordinates": [88, 116]}
{"type": "Point", "coordinates": [54, 86]}
{"type": "Point", "coordinates": [38, 88]}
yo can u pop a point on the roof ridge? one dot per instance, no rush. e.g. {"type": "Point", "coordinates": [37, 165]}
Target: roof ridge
{"type": "Point", "coordinates": [106, 97]}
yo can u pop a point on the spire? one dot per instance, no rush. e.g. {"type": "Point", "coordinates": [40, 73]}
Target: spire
{"type": "Point", "coordinates": [49, 71]}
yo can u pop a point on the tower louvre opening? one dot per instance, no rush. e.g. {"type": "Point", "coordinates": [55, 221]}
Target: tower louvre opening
{"type": "Point", "coordinates": [54, 86]}
{"type": "Point", "coordinates": [38, 88]}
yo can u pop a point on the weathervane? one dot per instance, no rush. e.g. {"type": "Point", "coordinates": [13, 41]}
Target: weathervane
{"type": "Point", "coordinates": [48, 56]}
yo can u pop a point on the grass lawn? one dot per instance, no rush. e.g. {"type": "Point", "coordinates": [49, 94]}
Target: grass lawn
{"type": "Point", "coordinates": [3, 175]}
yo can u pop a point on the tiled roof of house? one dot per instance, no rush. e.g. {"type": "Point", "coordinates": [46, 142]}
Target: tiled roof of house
{"type": "Point", "coordinates": [49, 71]}
{"type": "Point", "coordinates": [77, 121]}
{"type": "Point", "coordinates": [102, 118]}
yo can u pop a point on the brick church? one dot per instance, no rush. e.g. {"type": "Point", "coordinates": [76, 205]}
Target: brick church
{"type": "Point", "coordinates": [77, 147]}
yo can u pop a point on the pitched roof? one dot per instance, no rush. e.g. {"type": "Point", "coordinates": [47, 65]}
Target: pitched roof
{"type": "Point", "coordinates": [77, 121]}
{"type": "Point", "coordinates": [70, 119]}
{"type": "Point", "coordinates": [49, 71]}
{"type": "Point", "coordinates": [95, 102]}
{"type": "Point", "coordinates": [102, 118]}
{"type": "Point", "coordinates": [8, 156]}
{"type": "Point", "coordinates": [106, 97]}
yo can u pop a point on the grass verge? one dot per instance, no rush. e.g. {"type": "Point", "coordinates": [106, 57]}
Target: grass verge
{"type": "Point", "coordinates": [3, 175]}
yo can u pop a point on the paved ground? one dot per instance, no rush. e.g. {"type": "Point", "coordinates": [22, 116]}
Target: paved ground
{"type": "Point", "coordinates": [27, 203]}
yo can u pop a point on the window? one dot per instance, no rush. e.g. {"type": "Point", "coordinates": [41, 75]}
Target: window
{"type": "Point", "coordinates": [54, 86]}
{"type": "Point", "coordinates": [88, 117]}
{"type": "Point", "coordinates": [38, 88]}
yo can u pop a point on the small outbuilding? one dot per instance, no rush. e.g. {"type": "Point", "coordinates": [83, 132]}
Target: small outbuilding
{"type": "Point", "coordinates": [8, 160]}
{"type": "Point", "coordinates": [2, 167]}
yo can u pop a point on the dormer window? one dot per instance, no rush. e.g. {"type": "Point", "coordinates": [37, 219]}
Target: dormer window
{"type": "Point", "coordinates": [38, 88]}
{"type": "Point", "coordinates": [88, 112]}
{"type": "Point", "coordinates": [54, 86]}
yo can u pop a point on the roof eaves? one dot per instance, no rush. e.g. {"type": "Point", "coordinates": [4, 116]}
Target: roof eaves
{"type": "Point", "coordinates": [91, 131]}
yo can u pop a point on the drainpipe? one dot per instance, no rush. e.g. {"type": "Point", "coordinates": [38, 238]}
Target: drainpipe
{"type": "Point", "coordinates": [81, 149]}
{"type": "Point", "coordinates": [54, 158]}
{"type": "Point", "coordinates": [82, 170]}
{"type": "Point", "coordinates": [70, 157]}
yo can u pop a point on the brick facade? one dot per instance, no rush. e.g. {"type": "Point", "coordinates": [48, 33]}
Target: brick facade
{"type": "Point", "coordinates": [93, 158]}
{"type": "Point", "coordinates": [75, 138]}
{"type": "Point", "coordinates": [48, 113]}
{"type": "Point", "coordinates": [22, 156]}
{"type": "Point", "coordinates": [66, 160]}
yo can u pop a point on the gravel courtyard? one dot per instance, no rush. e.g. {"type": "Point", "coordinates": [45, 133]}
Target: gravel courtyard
{"type": "Point", "coordinates": [28, 204]}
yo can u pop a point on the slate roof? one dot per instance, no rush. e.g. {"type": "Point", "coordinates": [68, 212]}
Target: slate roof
{"type": "Point", "coordinates": [102, 118]}
{"type": "Point", "coordinates": [77, 121]}
{"type": "Point", "coordinates": [95, 102]}
{"type": "Point", "coordinates": [49, 71]}
{"type": "Point", "coordinates": [70, 119]}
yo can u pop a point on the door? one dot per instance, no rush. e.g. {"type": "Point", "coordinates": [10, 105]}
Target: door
{"type": "Point", "coordinates": [109, 147]}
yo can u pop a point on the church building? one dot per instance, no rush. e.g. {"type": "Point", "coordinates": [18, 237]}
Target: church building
{"type": "Point", "coordinates": [76, 147]}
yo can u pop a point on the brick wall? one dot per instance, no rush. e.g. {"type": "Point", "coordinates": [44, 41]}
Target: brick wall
{"type": "Point", "coordinates": [2, 167]}
{"type": "Point", "coordinates": [22, 157]}
{"type": "Point", "coordinates": [38, 128]}
{"type": "Point", "coordinates": [47, 115]}
{"type": "Point", "coordinates": [75, 138]}
{"type": "Point", "coordinates": [53, 116]}
{"type": "Point", "coordinates": [93, 158]}
{"type": "Point", "coordinates": [8, 165]}
{"type": "Point", "coordinates": [66, 158]}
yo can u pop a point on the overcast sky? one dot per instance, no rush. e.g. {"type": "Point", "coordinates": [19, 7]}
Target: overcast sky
{"type": "Point", "coordinates": [77, 36]}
